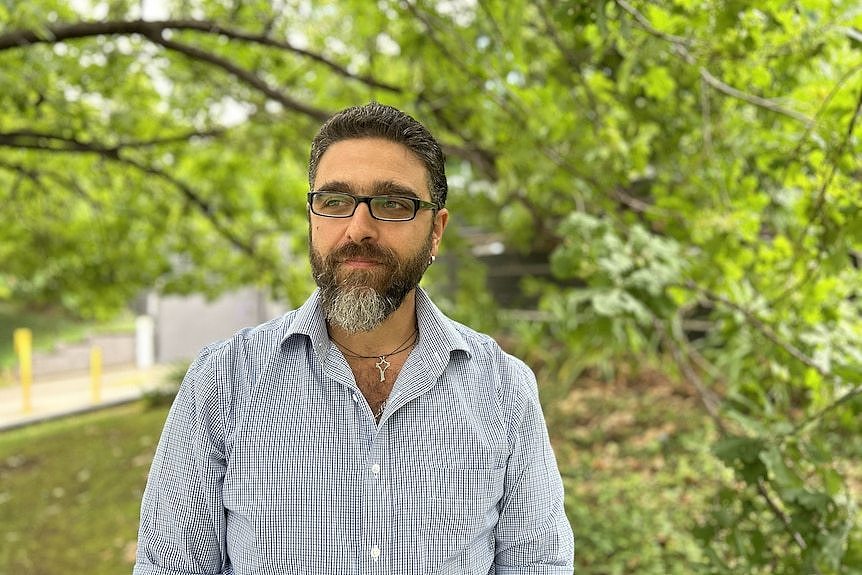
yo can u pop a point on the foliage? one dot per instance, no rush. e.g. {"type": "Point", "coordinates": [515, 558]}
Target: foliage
{"type": "Point", "coordinates": [637, 471]}
{"type": "Point", "coordinates": [690, 170]}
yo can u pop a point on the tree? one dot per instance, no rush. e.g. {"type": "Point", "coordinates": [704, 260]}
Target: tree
{"type": "Point", "coordinates": [691, 171]}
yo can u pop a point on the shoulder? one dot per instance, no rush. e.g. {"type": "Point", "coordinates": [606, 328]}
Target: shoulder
{"type": "Point", "coordinates": [244, 348]}
{"type": "Point", "coordinates": [485, 345]}
{"type": "Point", "coordinates": [511, 375]}
{"type": "Point", "coordinates": [220, 378]}
{"type": "Point", "coordinates": [488, 371]}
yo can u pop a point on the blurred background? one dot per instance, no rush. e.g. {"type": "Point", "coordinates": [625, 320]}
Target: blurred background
{"type": "Point", "coordinates": [656, 204]}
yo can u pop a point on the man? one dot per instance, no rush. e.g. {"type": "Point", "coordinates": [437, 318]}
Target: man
{"type": "Point", "coordinates": [364, 432]}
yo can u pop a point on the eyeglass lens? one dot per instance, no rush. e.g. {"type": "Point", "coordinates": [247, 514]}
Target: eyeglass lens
{"type": "Point", "coordinates": [337, 205]}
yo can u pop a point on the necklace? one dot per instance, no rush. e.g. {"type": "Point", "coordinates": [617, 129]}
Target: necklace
{"type": "Point", "coordinates": [382, 365]}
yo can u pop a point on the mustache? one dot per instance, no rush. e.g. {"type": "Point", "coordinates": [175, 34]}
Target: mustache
{"type": "Point", "coordinates": [362, 251]}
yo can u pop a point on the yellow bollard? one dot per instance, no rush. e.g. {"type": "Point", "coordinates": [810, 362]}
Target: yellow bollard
{"type": "Point", "coordinates": [23, 344]}
{"type": "Point", "coordinates": [96, 374]}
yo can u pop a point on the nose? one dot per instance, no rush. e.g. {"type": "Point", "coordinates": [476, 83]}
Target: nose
{"type": "Point", "coordinates": [362, 227]}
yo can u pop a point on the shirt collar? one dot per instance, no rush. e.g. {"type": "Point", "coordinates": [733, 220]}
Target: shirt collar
{"type": "Point", "coordinates": [437, 333]}
{"type": "Point", "coordinates": [308, 320]}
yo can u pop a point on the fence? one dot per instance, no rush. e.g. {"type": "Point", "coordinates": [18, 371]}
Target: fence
{"type": "Point", "coordinates": [90, 356]}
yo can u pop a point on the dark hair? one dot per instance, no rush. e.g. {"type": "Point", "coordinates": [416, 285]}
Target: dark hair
{"type": "Point", "coordinates": [380, 121]}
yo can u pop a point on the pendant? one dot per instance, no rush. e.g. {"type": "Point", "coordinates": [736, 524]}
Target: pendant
{"type": "Point", "coordinates": [382, 366]}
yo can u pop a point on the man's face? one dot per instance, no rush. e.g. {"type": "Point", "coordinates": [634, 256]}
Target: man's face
{"type": "Point", "coordinates": [366, 267]}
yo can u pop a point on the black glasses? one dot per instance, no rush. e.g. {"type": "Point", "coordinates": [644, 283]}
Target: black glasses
{"type": "Point", "coordinates": [385, 208]}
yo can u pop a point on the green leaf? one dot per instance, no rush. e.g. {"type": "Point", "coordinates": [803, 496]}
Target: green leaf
{"type": "Point", "coordinates": [658, 83]}
{"type": "Point", "coordinates": [743, 454]}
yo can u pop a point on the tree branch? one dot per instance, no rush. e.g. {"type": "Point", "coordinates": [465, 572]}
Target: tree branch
{"type": "Point", "coordinates": [432, 29]}
{"type": "Point", "coordinates": [647, 25]}
{"type": "Point", "coordinates": [53, 143]}
{"type": "Point", "coordinates": [595, 117]}
{"type": "Point", "coordinates": [833, 168]}
{"type": "Point", "coordinates": [797, 240]}
{"type": "Point", "coordinates": [814, 418]}
{"type": "Point", "coordinates": [483, 160]}
{"type": "Point", "coordinates": [148, 29]}
{"type": "Point", "coordinates": [36, 177]}
{"type": "Point", "coordinates": [711, 402]}
{"type": "Point", "coordinates": [72, 144]}
{"type": "Point", "coordinates": [179, 138]}
{"type": "Point", "coordinates": [637, 205]}
{"type": "Point", "coordinates": [241, 74]}
{"type": "Point", "coordinates": [767, 331]}
{"type": "Point", "coordinates": [682, 47]}
{"type": "Point", "coordinates": [709, 399]}
{"type": "Point", "coordinates": [782, 516]}
{"type": "Point", "coordinates": [203, 206]}
{"type": "Point", "coordinates": [33, 140]}
{"type": "Point", "coordinates": [764, 103]}
{"type": "Point", "coordinates": [795, 352]}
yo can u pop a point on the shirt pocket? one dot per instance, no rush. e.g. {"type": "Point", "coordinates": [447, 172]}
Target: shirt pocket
{"type": "Point", "coordinates": [464, 513]}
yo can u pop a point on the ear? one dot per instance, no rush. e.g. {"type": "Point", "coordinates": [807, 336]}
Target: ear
{"type": "Point", "coordinates": [440, 221]}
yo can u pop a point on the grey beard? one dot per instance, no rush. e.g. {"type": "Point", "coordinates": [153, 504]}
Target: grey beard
{"type": "Point", "coordinates": [357, 309]}
{"type": "Point", "coordinates": [359, 303]}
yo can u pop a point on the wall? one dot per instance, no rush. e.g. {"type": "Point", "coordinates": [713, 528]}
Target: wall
{"type": "Point", "coordinates": [184, 324]}
{"type": "Point", "coordinates": [117, 350]}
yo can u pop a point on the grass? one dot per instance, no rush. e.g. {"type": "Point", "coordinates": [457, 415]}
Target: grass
{"type": "Point", "coordinates": [70, 491]}
{"type": "Point", "coordinates": [49, 328]}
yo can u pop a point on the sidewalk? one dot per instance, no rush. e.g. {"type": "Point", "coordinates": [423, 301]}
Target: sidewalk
{"type": "Point", "coordinates": [58, 396]}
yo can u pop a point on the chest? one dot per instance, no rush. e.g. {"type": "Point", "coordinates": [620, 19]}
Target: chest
{"type": "Point", "coordinates": [319, 487]}
{"type": "Point", "coordinates": [375, 378]}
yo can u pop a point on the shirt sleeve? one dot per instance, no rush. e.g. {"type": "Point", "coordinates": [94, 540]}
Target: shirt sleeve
{"type": "Point", "coordinates": [533, 534]}
{"type": "Point", "coordinates": [182, 529]}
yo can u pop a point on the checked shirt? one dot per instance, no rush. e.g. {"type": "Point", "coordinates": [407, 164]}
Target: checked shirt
{"type": "Point", "coordinates": [271, 461]}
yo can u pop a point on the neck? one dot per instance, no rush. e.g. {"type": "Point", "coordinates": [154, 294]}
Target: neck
{"type": "Point", "coordinates": [385, 337]}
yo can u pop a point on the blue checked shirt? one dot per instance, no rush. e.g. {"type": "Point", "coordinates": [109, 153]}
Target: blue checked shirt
{"type": "Point", "coordinates": [271, 461]}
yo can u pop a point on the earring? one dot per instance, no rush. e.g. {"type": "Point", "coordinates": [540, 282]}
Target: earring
{"type": "Point", "coordinates": [431, 260]}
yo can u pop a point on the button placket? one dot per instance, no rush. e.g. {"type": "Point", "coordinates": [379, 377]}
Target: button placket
{"type": "Point", "coordinates": [377, 506]}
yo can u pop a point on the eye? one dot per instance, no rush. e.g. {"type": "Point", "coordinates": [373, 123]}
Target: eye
{"type": "Point", "coordinates": [332, 204]}
{"type": "Point", "coordinates": [333, 201]}
{"type": "Point", "coordinates": [393, 203]}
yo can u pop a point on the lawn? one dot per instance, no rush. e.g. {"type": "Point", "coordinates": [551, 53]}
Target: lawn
{"type": "Point", "coordinates": [70, 491]}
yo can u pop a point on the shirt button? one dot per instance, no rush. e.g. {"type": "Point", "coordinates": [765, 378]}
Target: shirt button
{"type": "Point", "coordinates": [375, 552]}
{"type": "Point", "coordinates": [375, 469]}
{"type": "Point", "coordinates": [355, 398]}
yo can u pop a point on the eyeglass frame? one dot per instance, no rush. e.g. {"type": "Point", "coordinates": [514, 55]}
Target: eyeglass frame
{"type": "Point", "coordinates": [417, 205]}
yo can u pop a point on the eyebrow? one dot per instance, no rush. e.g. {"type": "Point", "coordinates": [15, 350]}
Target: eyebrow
{"type": "Point", "coordinates": [379, 188]}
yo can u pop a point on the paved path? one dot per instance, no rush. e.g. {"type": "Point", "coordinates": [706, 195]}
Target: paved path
{"type": "Point", "coordinates": [58, 396]}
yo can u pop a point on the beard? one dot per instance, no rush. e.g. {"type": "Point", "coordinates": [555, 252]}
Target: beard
{"type": "Point", "coordinates": [361, 300]}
